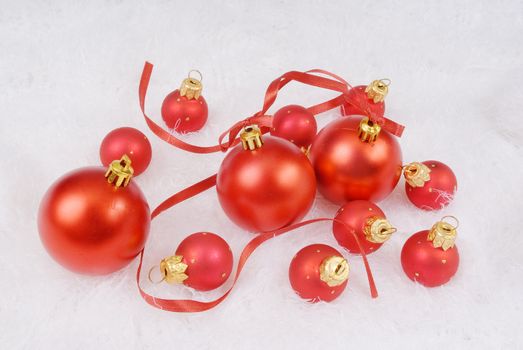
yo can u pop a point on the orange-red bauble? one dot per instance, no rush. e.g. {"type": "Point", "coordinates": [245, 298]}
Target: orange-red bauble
{"type": "Point", "coordinates": [94, 221]}
{"type": "Point", "coordinates": [366, 99]}
{"type": "Point", "coordinates": [367, 221]}
{"type": "Point", "coordinates": [318, 272]}
{"type": "Point", "coordinates": [296, 124]}
{"type": "Point", "coordinates": [265, 184]}
{"type": "Point", "coordinates": [355, 159]}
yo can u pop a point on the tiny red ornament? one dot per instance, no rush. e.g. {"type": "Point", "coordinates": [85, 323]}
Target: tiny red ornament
{"type": "Point", "coordinates": [129, 141]}
{"type": "Point", "coordinates": [202, 261]}
{"type": "Point", "coordinates": [430, 257]}
{"type": "Point", "coordinates": [354, 159]}
{"type": "Point", "coordinates": [94, 221]}
{"type": "Point", "coordinates": [367, 221]}
{"type": "Point", "coordinates": [264, 185]}
{"type": "Point", "coordinates": [295, 124]}
{"type": "Point", "coordinates": [318, 272]}
{"type": "Point", "coordinates": [185, 110]}
{"type": "Point", "coordinates": [430, 185]}
{"type": "Point", "coordinates": [366, 99]}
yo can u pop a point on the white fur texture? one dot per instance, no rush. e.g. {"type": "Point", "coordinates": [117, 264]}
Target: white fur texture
{"type": "Point", "coordinates": [69, 74]}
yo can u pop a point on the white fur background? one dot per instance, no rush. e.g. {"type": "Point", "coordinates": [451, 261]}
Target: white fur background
{"type": "Point", "coordinates": [69, 74]}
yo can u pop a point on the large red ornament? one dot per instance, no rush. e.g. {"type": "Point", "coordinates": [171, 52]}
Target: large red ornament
{"type": "Point", "coordinates": [430, 185]}
{"type": "Point", "coordinates": [430, 257]}
{"type": "Point", "coordinates": [296, 124]}
{"type": "Point", "coordinates": [129, 141]}
{"type": "Point", "coordinates": [349, 165]}
{"type": "Point", "coordinates": [367, 221]}
{"type": "Point", "coordinates": [185, 110]}
{"type": "Point", "coordinates": [318, 272]}
{"type": "Point", "coordinates": [265, 185]}
{"type": "Point", "coordinates": [366, 99]}
{"type": "Point", "coordinates": [91, 225]}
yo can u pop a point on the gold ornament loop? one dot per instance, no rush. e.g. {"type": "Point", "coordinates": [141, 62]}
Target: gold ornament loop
{"type": "Point", "coordinates": [443, 234]}
{"type": "Point", "coordinates": [150, 273]}
{"type": "Point", "coordinates": [191, 87]}
{"type": "Point", "coordinates": [416, 174]}
{"type": "Point", "coordinates": [174, 269]}
{"type": "Point", "coordinates": [378, 230]}
{"type": "Point", "coordinates": [456, 221]}
{"type": "Point", "coordinates": [120, 172]}
{"type": "Point", "coordinates": [378, 90]}
{"type": "Point", "coordinates": [334, 270]}
{"type": "Point", "coordinates": [200, 79]}
{"type": "Point", "coordinates": [368, 131]}
{"type": "Point", "coordinates": [251, 137]}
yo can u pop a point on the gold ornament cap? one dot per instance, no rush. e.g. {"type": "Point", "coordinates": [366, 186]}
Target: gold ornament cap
{"type": "Point", "coordinates": [368, 131]}
{"type": "Point", "coordinates": [191, 87]}
{"type": "Point", "coordinates": [120, 172]}
{"type": "Point", "coordinates": [173, 269]}
{"type": "Point", "coordinates": [443, 234]}
{"type": "Point", "coordinates": [251, 137]}
{"type": "Point", "coordinates": [334, 270]}
{"type": "Point", "coordinates": [416, 174]}
{"type": "Point", "coordinates": [378, 230]}
{"type": "Point", "coordinates": [377, 90]}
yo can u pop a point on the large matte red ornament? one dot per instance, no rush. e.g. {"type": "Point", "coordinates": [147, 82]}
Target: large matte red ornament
{"type": "Point", "coordinates": [348, 168]}
{"type": "Point", "coordinates": [367, 221]}
{"type": "Point", "coordinates": [430, 185]}
{"type": "Point", "coordinates": [90, 225]}
{"type": "Point", "coordinates": [430, 256]}
{"type": "Point", "coordinates": [318, 272]}
{"type": "Point", "coordinates": [295, 124]}
{"type": "Point", "coordinates": [129, 141]}
{"type": "Point", "coordinates": [265, 185]}
{"type": "Point", "coordinates": [366, 100]}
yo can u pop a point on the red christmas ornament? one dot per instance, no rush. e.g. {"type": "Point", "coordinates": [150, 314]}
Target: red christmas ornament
{"type": "Point", "coordinates": [430, 257]}
{"type": "Point", "coordinates": [203, 261]}
{"type": "Point", "coordinates": [265, 185]}
{"type": "Point", "coordinates": [367, 99]}
{"type": "Point", "coordinates": [185, 110]}
{"type": "Point", "coordinates": [295, 124]}
{"type": "Point", "coordinates": [429, 185]}
{"type": "Point", "coordinates": [94, 222]}
{"type": "Point", "coordinates": [355, 159]}
{"type": "Point", "coordinates": [368, 222]}
{"type": "Point", "coordinates": [318, 272]}
{"type": "Point", "coordinates": [129, 141]}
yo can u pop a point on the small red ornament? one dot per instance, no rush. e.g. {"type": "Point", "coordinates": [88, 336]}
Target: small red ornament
{"type": "Point", "coordinates": [367, 99]}
{"type": "Point", "coordinates": [264, 185]}
{"type": "Point", "coordinates": [355, 159]}
{"type": "Point", "coordinates": [129, 141]}
{"type": "Point", "coordinates": [185, 110]}
{"type": "Point", "coordinates": [368, 222]}
{"type": "Point", "coordinates": [430, 185]}
{"type": "Point", "coordinates": [94, 222]}
{"type": "Point", "coordinates": [295, 124]}
{"type": "Point", "coordinates": [318, 272]}
{"type": "Point", "coordinates": [430, 257]}
{"type": "Point", "coordinates": [202, 261]}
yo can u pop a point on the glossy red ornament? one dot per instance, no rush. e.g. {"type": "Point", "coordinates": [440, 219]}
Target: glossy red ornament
{"type": "Point", "coordinates": [318, 272]}
{"type": "Point", "coordinates": [430, 185]}
{"type": "Point", "coordinates": [426, 263]}
{"type": "Point", "coordinates": [91, 227]}
{"type": "Point", "coordinates": [295, 124]}
{"type": "Point", "coordinates": [364, 100]}
{"type": "Point", "coordinates": [267, 187]}
{"type": "Point", "coordinates": [348, 168]}
{"type": "Point", "coordinates": [368, 222]}
{"type": "Point", "coordinates": [128, 141]}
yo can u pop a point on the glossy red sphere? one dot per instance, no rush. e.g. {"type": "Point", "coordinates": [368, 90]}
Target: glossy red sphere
{"type": "Point", "coordinates": [304, 274]}
{"type": "Point", "coordinates": [184, 115]}
{"type": "Point", "coordinates": [355, 215]}
{"type": "Point", "coordinates": [208, 258]}
{"type": "Point", "coordinates": [427, 265]}
{"type": "Point", "coordinates": [128, 141]}
{"type": "Point", "coordinates": [295, 124]}
{"type": "Point", "coordinates": [89, 226]}
{"type": "Point", "coordinates": [362, 104]}
{"type": "Point", "coordinates": [267, 188]}
{"type": "Point", "coordinates": [436, 193]}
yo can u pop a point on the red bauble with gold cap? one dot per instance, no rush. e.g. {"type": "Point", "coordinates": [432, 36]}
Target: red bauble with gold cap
{"type": "Point", "coordinates": [296, 124]}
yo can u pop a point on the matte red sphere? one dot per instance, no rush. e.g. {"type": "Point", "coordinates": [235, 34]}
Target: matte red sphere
{"type": "Point", "coordinates": [436, 193]}
{"type": "Point", "coordinates": [295, 124]}
{"type": "Point", "coordinates": [184, 115]}
{"type": "Point", "coordinates": [355, 215]}
{"type": "Point", "coordinates": [267, 188]}
{"type": "Point", "coordinates": [208, 258]}
{"type": "Point", "coordinates": [128, 141]}
{"type": "Point", "coordinates": [89, 226]}
{"type": "Point", "coordinates": [348, 169]}
{"type": "Point", "coordinates": [304, 274]}
{"type": "Point", "coordinates": [427, 265]}
{"type": "Point", "coordinates": [365, 105]}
